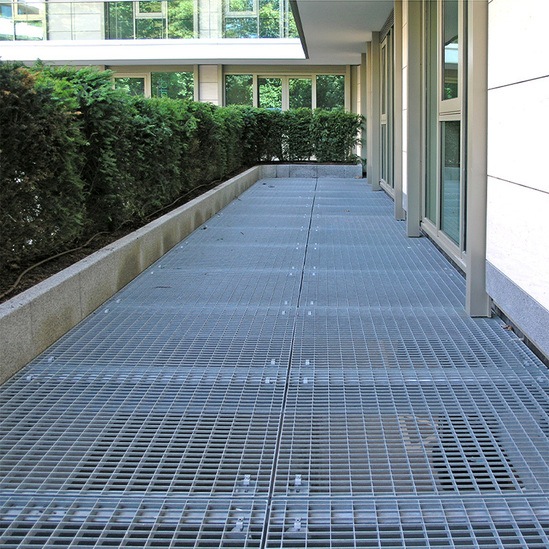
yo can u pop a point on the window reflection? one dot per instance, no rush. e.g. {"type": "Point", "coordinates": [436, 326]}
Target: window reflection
{"type": "Point", "coordinates": [451, 49]}
{"type": "Point", "coordinates": [450, 178]}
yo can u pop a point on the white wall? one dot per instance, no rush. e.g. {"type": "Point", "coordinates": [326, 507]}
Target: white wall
{"type": "Point", "coordinates": [76, 21]}
{"type": "Point", "coordinates": [209, 84]}
{"type": "Point", "coordinates": [518, 178]}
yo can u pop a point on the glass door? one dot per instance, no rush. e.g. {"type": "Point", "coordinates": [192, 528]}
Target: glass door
{"type": "Point", "coordinates": [444, 188]}
{"type": "Point", "coordinates": [386, 110]}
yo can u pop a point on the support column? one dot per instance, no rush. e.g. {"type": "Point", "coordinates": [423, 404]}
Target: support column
{"type": "Point", "coordinates": [400, 214]}
{"type": "Point", "coordinates": [373, 117]}
{"type": "Point", "coordinates": [364, 109]}
{"type": "Point", "coordinates": [477, 300]}
{"type": "Point", "coordinates": [209, 85]}
{"type": "Point", "coordinates": [412, 110]}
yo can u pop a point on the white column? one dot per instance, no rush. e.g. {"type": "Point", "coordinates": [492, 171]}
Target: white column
{"type": "Point", "coordinates": [412, 72]}
{"type": "Point", "coordinates": [373, 116]}
{"type": "Point", "coordinates": [477, 300]}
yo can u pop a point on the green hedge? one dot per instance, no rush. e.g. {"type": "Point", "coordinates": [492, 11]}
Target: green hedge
{"type": "Point", "coordinates": [78, 157]}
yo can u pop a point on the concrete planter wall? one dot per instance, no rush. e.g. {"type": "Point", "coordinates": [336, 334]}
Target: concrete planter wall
{"type": "Point", "coordinates": [35, 319]}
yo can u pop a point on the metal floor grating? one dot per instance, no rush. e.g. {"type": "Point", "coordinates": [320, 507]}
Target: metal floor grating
{"type": "Point", "coordinates": [295, 373]}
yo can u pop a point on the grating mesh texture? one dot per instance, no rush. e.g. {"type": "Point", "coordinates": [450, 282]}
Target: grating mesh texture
{"type": "Point", "coordinates": [295, 373]}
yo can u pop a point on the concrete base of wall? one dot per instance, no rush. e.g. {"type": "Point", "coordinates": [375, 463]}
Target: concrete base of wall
{"type": "Point", "coordinates": [35, 319]}
{"type": "Point", "coordinates": [530, 317]}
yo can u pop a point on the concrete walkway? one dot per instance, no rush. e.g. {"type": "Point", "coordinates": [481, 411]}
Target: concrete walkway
{"type": "Point", "coordinates": [296, 373]}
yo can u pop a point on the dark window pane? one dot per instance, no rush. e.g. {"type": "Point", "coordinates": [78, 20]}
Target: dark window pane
{"type": "Point", "coordinates": [175, 85]}
{"type": "Point", "coordinates": [451, 179]}
{"type": "Point", "coordinates": [270, 93]}
{"type": "Point", "coordinates": [301, 93]}
{"type": "Point", "coordinates": [133, 86]}
{"type": "Point", "coordinates": [239, 89]}
{"type": "Point", "coordinates": [330, 91]}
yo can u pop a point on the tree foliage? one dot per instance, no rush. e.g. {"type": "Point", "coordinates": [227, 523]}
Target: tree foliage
{"type": "Point", "coordinates": [78, 157]}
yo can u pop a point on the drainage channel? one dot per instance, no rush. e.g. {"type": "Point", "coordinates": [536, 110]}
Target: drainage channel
{"type": "Point", "coordinates": [297, 478]}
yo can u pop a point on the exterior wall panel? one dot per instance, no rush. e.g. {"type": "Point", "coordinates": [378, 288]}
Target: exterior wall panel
{"type": "Point", "coordinates": [518, 184]}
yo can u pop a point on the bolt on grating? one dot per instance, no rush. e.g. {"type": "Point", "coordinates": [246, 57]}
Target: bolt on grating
{"type": "Point", "coordinates": [131, 523]}
{"type": "Point", "coordinates": [431, 523]}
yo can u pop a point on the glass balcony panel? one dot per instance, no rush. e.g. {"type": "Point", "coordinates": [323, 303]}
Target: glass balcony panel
{"type": "Point", "coordinates": [181, 19]}
{"type": "Point", "coordinates": [241, 6]}
{"type": "Point", "coordinates": [141, 19]}
{"type": "Point", "coordinates": [241, 27]}
{"type": "Point", "coordinates": [150, 28]}
{"type": "Point", "coordinates": [29, 30]}
{"type": "Point", "coordinates": [269, 19]}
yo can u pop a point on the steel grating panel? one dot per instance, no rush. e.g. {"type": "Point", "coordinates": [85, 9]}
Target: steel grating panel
{"type": "Point", "coordinates": [391, 258]}
{"type": "Point", "coordinates": [295, 373]}
{"type": "Point", "coordinates": [379, 289]}
{"type": "Point", "coordinates": [121, 335]}
{"type": "Point", "coordinates": [215, 235]}
{"type": "Point", "coordinates": [370, 434]}
{"type": "Point", "coordinates": [131, 522]}
{"type": "Point", "coordinates": [164, 288]}
{"type": "Point", "coordinates": [248, 220]}
{"type": "Point", "coordinates": [431, 523]}
{"type": "Point", "coordinates": [419, 338]}
{"type": "Point", "coordinates": [207, 432]}
{"type": "Point", "coordinates": [227, 256]}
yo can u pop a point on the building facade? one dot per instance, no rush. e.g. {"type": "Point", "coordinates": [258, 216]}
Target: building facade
{"type": "Point", "coordinates": [455, 92]}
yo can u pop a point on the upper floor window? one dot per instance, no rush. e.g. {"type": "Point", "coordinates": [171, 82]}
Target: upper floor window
{"type": "Point", "coordinates": [149, 19]}
{"type": "Point", "coordinates": [22, 20]}
{"type": "Point", "coordinates": [258, 19]}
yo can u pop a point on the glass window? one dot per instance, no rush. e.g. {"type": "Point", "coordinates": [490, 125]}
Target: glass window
{"type": "Point", "coordinates": [119, 20]}
{"type": "Point", "coordinates": [384, 79]}
{"type": "Point", "coordinates": [450, 179]}
{"type": "Point", "coordinates": [241, 6]}
{"type": "Point", "coordinates": [181, 19]}
{"type": "Point", "coordinates": [451, 46]}
{"type": "Point", "coordinates": [330, 91]}
{"type": "Point", "coordinates": [149, 28]}
{"type": "Point", "coordinates": [301, 93]}
{"type": "Point", "coordinates": [269, 19]}
{"type": "Point", "coordinates": [241, 27]}
{"type": "Point", "coordinates": [239, 89]}
{"type": "Point", "coordinates": [149, 8]}
{"type": "Point", "coordinates": [270, 93]}
{"type": "Point", "coordinates": [175, 85]}
{"type": "Point", "coordinates": [132, 85]}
